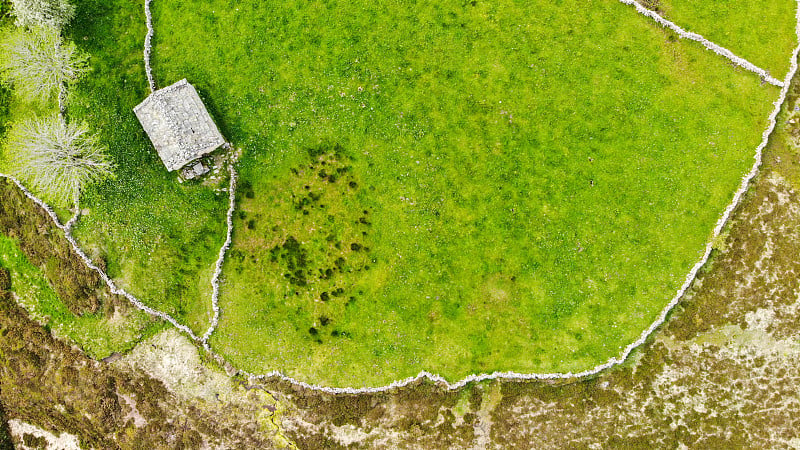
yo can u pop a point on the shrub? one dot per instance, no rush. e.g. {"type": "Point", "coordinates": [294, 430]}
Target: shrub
{"type": "Point", "coordinates": [5, 279]}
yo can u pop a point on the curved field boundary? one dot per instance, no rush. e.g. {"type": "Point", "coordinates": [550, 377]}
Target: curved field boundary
{"type": "Point", "coordinates": [741, 62]}
{"type": "Point", "coordinates": [611, 362]}
{"type": "Point", "coordinates": [67, 229]}
{"type": "Point", "coordinates": [662, 317]}
{"type": "Point", "coordinates": [641, 9]}
{"type": "Point", "coordinates": [424, 374]}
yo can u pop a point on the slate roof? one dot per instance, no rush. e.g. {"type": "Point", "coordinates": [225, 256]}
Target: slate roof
{"type": "Point", "coordinates": [178, 124]}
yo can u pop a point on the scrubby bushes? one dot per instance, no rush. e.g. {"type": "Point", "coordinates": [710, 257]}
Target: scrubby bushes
{"type": "Point", "coordinates": [50, 384]}
{"type": "Point", "coordinates": [5, 279]}
{"type": "Point", "coordinates": [76, 285]}
{"type": "Point", "coordinates": [5, 433]}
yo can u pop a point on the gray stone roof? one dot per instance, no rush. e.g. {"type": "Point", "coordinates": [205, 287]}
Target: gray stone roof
{"type": "Point", "coordinates": [178, 125]}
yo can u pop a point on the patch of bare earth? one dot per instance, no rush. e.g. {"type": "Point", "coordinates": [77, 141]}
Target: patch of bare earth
{"type": "Point", "coordinates": [29, 436]}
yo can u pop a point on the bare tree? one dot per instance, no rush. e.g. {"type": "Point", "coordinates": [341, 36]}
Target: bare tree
{"type": "Point", "coordinates": [57, 158]}
{"type": "Point", "coordinates": [36, 13]}
{"type": "Point", "coordinates": [39, 63]}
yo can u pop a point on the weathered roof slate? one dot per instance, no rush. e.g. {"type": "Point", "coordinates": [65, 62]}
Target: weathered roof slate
{"type": "Point", "coordinates": [178, 124]}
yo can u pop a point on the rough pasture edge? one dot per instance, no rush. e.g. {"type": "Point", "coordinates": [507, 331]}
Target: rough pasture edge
{"type": "Point", "coordinates": [722, 51]}
{"type": "Point", "coordinates": [86, 260]}
{"type": "Point", "coordinates": [222, 251]}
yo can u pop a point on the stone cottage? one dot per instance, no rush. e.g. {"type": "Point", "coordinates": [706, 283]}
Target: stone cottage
{"type": "Point", "coordinates": [179, 126]}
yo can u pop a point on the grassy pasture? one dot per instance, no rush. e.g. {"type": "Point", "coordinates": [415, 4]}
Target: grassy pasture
{"type": "Point", "coordinates": [756, 30]}
{"type": "Point", "coordinates": [158, 237]}
{"type": "Point", "coordinates": [526, 183]}
{"type": "Point", "coordinates": [537, 177]}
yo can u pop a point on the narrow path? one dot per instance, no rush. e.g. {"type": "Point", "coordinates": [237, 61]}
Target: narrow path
{"type": "Point", "coordinates": [741, 62]}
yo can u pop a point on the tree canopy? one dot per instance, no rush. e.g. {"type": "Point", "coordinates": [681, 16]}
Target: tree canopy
{"type": "Point", "coordinates": [56, 157]}
{"type": "Point", "coordinates": [39, 62]}
{"type": "Point", "coordinates": [36, 13]}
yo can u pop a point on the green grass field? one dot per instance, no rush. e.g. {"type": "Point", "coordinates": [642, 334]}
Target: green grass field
{"type": "Point", "coordinates": [98, 335]}
{"type": "Point", "coordinates": [536, 179]}
{"type": "Point", "coordinates": [756, 30]}
{"type": "Point", "coordinates": [158, 237]}
{"type": "Point", "coordinates": [457, 187]}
